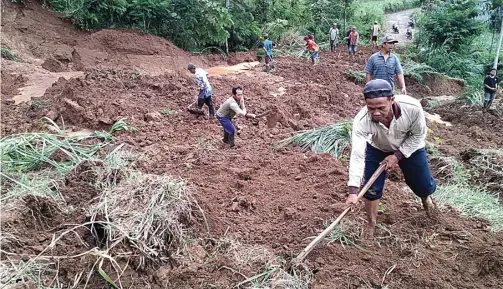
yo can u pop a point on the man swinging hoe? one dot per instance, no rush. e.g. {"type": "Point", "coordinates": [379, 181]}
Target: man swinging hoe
{"type": "Point", "coordinates": [390, 129]}
{"type": "Point", "coordinates": [234, 106]}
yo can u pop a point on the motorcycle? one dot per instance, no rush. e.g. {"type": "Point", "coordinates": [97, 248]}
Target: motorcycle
{"type": "Point", "coordinates": [409, 34]}
{"type": "Point", "coordinates": [395, 29]}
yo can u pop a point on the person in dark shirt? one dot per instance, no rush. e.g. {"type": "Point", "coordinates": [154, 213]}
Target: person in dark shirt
{"type": "Point", "coordinates": [490, 88]}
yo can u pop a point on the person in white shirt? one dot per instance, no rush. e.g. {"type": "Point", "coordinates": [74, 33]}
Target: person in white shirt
{"type": "Point", "coordinates": [334, 37]}
{"type": "Point", "coordinates": [234, 106]}
{"type": "Point", "coordinates": [205, 90]}
{"type": "Point", "coordinates": [374, 32]}
{"type": "Point", "coordinates": [390, 129]}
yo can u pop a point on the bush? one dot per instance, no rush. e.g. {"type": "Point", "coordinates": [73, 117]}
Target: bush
{"type": "Point", "coordinates": [188, 23]}
{"type": "Point", "coordinates": [449, 25]}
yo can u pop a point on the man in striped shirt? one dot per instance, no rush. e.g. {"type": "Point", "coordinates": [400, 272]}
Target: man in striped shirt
{"type": "Point", "coordinates": [390, 129]}
{"type": "Point", "coordinates": [384, 65]}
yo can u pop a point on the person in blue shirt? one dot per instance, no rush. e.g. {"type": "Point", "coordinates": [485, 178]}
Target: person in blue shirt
{"type": "Point", "coordinates": [268, 46]}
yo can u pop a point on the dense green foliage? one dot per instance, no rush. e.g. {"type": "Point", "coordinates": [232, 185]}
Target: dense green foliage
{"type": "Point", "coordinates": [452, 40]}
{"type": "Point", "coordinates": [449, 25]}
{"type": "Point", "coordinates": [196, 24]}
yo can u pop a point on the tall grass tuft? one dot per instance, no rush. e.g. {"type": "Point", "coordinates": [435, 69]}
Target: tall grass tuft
{"type": "Point", "coordinates": [332, 139]}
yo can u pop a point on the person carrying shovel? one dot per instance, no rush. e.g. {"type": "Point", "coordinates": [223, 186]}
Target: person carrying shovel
{"type": "Point", "coordinates": [232, 107]}
{"type": "Point", "coordinates": [389, 129]}
{"type": "Point", "coordinates": [205, 91]}
{"type": "Point", "coordinates": [268, 46]}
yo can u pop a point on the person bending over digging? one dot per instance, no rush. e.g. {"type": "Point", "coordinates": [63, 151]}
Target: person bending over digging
{"type": "Point", "coordinates": [205, 91]}
{"type": "Point", "coordinates": [390, 129]}
{"type": "Point", "coordinates": [232, 107]}
{"type": "Point", "coordinates": [312, 47]}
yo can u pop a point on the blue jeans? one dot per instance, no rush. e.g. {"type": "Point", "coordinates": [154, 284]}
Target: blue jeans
{"type": "Point", "coordinates": [227, 125]}
{"type": "Point", "coordinates": [314, 55]}
{"type": "Point", "coordinates": [415, 169]}
{"type": "Point", "coordinates": [488, 96]}
{"type": "Point", "coordinates": [353, 48]}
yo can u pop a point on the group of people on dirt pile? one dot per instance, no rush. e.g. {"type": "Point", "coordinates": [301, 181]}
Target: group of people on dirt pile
{"type": "Point", "coordinates": [390, 129]}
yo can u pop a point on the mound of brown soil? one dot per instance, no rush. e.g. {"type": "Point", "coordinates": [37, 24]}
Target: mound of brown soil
{"type": "Point", "coordinates": [127, 41]}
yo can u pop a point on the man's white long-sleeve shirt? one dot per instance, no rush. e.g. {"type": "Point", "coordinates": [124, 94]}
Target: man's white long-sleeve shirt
{"type": "Point", "coordinates": [406, 133]}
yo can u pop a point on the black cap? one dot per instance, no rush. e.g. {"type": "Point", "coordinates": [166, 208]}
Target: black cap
{"type": "Point", "coordinates": [377, 88]}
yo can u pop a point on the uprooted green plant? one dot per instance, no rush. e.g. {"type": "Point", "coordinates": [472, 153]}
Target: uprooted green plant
{"type": "Point", "coordinates": [29, 151]}
{"type": "Point", "coordinates": [332, 139]}
{"type": "Point", "coordinates": [6, 53]}
{"type": "Point", "coordinates": [149, 211]}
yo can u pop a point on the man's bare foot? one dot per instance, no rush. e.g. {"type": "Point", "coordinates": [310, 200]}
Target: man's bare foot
{"type": "Point", "coordinates": [369, 232]}
{"type": "Point", "coordinates": [429, 207]}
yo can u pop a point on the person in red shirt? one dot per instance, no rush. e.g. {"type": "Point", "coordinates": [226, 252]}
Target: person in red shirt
{"type": "Point", "coordinates": [312, 48]}
{"type": "Point", "coordinates": [353, 41]}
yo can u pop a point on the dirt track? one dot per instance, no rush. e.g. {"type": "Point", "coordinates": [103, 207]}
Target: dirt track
{"type": "Point", "coordinates": [401, 20]}
{"type": "Point", "coordinates": [253, 195]}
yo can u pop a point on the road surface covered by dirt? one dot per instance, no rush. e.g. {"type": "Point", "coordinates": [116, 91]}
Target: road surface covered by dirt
{"type": "Point", "coordinates": [258, 202]}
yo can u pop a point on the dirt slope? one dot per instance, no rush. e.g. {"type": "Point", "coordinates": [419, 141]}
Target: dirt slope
{"type": "Point", "coordinates": [265, 200]}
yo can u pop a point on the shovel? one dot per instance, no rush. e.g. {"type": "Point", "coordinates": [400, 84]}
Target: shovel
{"type": "Point", "coordinates": [194, 110]}
{"type": "Point", "coordinates": [272, 119]}
{"type": "Point", "coordinates": [310, 247]}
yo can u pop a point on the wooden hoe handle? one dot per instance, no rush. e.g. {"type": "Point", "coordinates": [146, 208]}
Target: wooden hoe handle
{"type": "Point", "coordinates": [327, 231]}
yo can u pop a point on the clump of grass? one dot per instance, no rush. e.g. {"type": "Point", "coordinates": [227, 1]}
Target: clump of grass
{"type": "Point", "coordinates": [37, 184]}
{"type": "Point", "coordinates": [29, 151]}
{"type": "Point", "coordinates": [332, 139]}
{"type": "Point", "coordinates": [472, 202]}
{"type": "Point", "coordinates": [6, 53]}
{"type": "Point", "coordinates": [355, 76]}
{"type": "Point", "coordinates": [433, 102]}
{"type": "Point", "coordinates": [417, 70]}
{"type": "Point", "coordinates": [272, 275]}
{"type": "Point", "coordinates": [345, 233]}
{"type": "Point", "coordinates": [167, 111]}
{"type": "Point", "coordinates": [149, 211]}
{"type": "Point", "coordinates": [36, 104]}
{"type": "Point", "coordinates": [485, 168]}
{"type": "Point", "coordinates": [458, 190]}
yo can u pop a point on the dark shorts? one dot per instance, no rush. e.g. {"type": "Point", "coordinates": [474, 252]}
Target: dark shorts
{"type": "Point", "coordinates": [267, 59]}
{"type": "Point", "coordinates": [415, 169]}
{"type": "Point", "coordinates": [208, 101]}
{"type": "Point", "coordinates": [374, 38]}
{"type": "Point", "coordinates": [314, 55]}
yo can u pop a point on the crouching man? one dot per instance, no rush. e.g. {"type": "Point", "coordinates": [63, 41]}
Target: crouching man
{"type": "Point", "coordinates": [390, 129]}
{"type": "Point", "coordinates": [234, 106]}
